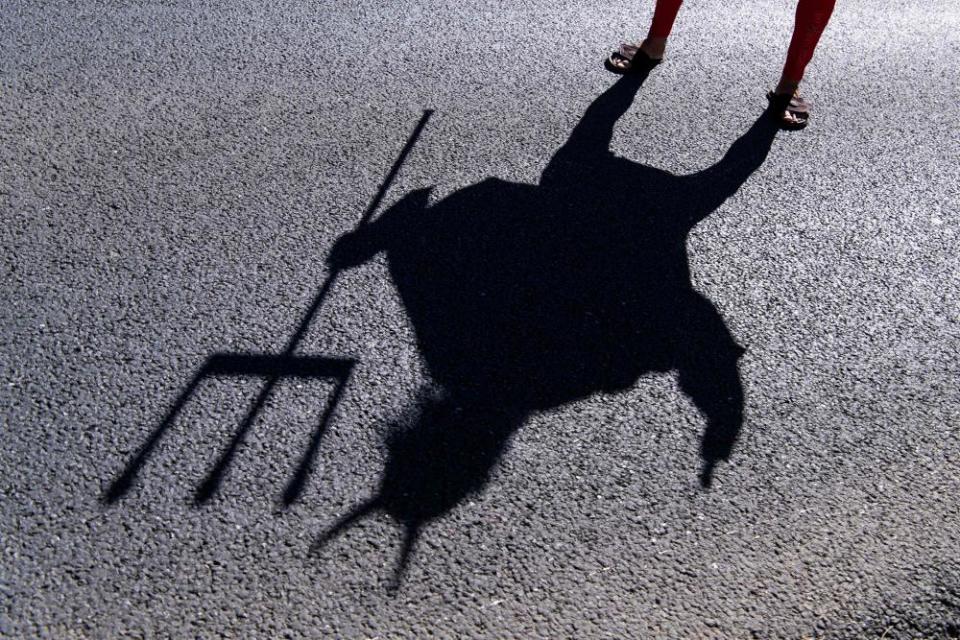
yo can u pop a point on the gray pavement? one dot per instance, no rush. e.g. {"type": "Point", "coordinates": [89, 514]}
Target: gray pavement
{"type": "Point", "coordinates": [513, 390]}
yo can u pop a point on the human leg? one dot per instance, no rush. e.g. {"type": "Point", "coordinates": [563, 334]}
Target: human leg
{"type": "Point", "coordinates": [811, 19]}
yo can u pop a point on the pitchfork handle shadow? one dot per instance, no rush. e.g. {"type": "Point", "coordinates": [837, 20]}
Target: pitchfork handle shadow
{"type": "Point", "coordinates": [272, 367]}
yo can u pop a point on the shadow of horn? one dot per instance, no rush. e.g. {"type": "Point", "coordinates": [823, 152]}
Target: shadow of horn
{"type": "Point", "coordinates": [410, 537]}
{"type": "Point", "coordinates": [358, 513]}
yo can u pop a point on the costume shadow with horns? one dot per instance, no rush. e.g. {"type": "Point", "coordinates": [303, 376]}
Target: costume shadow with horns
{"type": "Point", "coordinates": [526, 297]}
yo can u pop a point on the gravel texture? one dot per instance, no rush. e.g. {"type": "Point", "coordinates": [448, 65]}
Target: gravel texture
{"type": "Point", "coordinates": [175, 174]}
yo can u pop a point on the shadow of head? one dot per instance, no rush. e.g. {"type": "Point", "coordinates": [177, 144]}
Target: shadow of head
{"type": "Point", "coordinates": [525, 297]}
{"type": "Point", "coordinates": [445, 454]}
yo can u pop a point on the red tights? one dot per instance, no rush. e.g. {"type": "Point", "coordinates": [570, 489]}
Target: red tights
{"type": "Point", "coordinates": [811, 20]}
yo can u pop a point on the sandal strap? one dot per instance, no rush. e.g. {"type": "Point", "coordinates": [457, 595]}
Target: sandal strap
{"type": "Point", "coordinates": [627, 51]}
{"type": "Point", "coordinates": [791, 102]}
{"type": "Point", "coordinates": [798, 105]}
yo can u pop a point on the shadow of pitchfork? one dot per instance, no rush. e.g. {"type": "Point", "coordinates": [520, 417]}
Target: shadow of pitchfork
{"type": "Point", "coordinates": [271, 368]}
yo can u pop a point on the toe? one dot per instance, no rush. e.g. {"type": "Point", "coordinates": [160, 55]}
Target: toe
{"type": "Point", "coordinates": [619, 62]}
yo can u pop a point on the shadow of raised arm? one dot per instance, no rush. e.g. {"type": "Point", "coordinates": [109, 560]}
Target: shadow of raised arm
{"type": "Point", "coordinates": [710, 188]}
{"type": "Point", "coordinates": [589, 142]}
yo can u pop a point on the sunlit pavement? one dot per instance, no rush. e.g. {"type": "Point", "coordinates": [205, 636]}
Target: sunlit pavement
{"type": "Point", "coordinates": [490, 422]}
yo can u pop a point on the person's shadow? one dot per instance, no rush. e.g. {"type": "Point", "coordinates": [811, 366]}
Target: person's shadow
{"type": "Point", "coordinates": [525, 297]}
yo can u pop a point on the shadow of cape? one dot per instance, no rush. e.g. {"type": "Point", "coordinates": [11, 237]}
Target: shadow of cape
{"type": "Point", "coordinates": [525, 297]}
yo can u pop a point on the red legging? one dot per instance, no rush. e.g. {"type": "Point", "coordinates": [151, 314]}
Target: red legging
{"type": "Point", "coordinates": [811, 20]}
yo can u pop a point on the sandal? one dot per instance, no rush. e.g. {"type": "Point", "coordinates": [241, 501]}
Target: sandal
{"type": "Point", "coordinates": [630, 58]}
{"type": "Point", "coordinates": [790, 110]}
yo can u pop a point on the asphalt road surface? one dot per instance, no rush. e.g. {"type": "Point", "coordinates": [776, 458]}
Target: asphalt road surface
{"type": "Point", "coordinates": [636, 365]}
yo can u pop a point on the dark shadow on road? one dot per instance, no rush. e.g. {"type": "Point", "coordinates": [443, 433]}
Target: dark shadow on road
{"type": "Point", "coordinates": [271, 368]}
{"type": "Point", "coordinates": [525, 297]}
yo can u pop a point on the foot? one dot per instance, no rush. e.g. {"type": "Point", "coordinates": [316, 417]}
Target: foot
{"type": "Point", "coordinates": [632, 57]}
{"type": "Point", "coordinates": [787, 106]}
